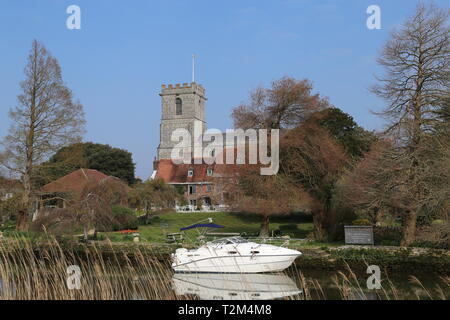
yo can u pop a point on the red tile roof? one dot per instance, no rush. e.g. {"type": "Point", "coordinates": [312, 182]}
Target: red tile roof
{"type": "Point", "coordinates": [75, 181]}
{"type": "Point", "coordinates": [178, 173]}
{"type": "Point", "coordinates": [10, 184]}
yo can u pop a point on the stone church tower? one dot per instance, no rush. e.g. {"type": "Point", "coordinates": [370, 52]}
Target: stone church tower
{"type": "Point", "coordinates": [183, 106]}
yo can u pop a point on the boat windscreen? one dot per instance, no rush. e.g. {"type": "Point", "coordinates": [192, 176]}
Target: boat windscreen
{"type": "Point", "coordinates": [238, 240]}
{"type": "Point", "coordinates": [231, 240]}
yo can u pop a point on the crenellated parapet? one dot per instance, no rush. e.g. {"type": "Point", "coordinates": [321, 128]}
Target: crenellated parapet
{"type": "Point", "coordinates": [181, 88]}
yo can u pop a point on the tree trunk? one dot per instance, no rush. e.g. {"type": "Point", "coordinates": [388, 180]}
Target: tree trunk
{"type": "Point", "coordinates": [22, 220]}
{"type": "Point", "coordinates": [409, 229]}
{"type": "Point", "coordinates": [22, 223]}
{"type": "Point", "coordinates": [22, 217]}
{"type": "Point", "coordinates": [264, 232]}
{"type": "Point", "coordinates": [85, 230]}
{"type": "Point", "coordinates": [376, 217]}
{"type": "Point", "coordinates": [320, 225]}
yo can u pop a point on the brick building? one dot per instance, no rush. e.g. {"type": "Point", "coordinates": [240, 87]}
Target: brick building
{"type": "Point", "coordinates": [183, 107]}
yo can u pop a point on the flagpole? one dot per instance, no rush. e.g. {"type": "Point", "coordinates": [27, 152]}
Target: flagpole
{"type": "Point", "coordinates": [193, 68]}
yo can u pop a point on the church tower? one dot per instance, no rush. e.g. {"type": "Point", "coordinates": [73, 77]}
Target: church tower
{"type": "Point", "coordinates": [183, 106]}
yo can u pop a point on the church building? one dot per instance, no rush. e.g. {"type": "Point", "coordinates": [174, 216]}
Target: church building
{"type": "Point", "coordinates": [183, 107]}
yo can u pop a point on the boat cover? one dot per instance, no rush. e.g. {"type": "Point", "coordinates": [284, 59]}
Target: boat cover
{"type": "Point", "coordinates": [203, 225]}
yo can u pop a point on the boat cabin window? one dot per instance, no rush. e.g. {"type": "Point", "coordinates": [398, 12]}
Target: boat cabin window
{"type": "Point", "coordinates": [232, 240]}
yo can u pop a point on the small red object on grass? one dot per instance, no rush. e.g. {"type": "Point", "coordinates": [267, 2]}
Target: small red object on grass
{"type": "Point", "coordinates": [127, 231]}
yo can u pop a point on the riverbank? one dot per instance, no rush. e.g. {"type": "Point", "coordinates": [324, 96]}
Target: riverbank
{"type": "Point", "coordinates": [392, 259]}
{"type": "Point", "coordinates": [389, 258]}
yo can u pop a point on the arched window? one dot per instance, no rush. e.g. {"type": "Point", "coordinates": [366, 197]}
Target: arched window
{"type": "Point", "coordinates": [179, 106]}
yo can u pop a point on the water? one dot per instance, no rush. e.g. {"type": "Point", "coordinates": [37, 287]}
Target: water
{"type": "Point", "coordinates": [102, 279]}
{"type": "Point", "coordinates": [215, 286]}
{"type": "Point", "coordinates": [333, 285]}
{"type": "Point", "coordinates": [311, 284]}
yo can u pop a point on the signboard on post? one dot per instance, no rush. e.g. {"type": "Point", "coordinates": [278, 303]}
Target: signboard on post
{"type": "Point", "coordinates": [359, 235]}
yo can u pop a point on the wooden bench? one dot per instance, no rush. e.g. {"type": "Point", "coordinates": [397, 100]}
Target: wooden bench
{"type": "Point", "coordinates": [174, 237]}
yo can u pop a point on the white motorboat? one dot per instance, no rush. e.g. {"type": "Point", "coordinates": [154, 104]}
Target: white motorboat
{"type": "Point", "coordinates": [233, 255]}
{"type": "Point", "coordinates": [219, 286]}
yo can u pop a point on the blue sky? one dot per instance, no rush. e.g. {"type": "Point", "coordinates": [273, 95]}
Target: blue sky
{"type": "Point", "coordinates": [125, 50]}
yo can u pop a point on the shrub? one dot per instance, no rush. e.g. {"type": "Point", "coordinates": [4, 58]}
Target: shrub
{"type": "Point", "coordinates": [199, 204]}
{"type": "Point", "coordinates": [437, 235]}
{"type": "Point", "coordinates": [285, 229]}
{"type": "Point", "coordinates": [437, 222]}
{"type": "Point", "coordinates": [127, 237]}
{"type": "Point", "coordinates": [342, 216]}
{"type": "Point", "coordinates": [288, 227]}
{"type": "Point", "coordinates": [8, 225]}
{"type": "Point", "coordinates": [385, 242]}
{"type": "Point", "coordinates": [431, 244]}
{"type": "Point", "coordinates": [124, 217]}
{"type": "Point", "coordinates": [278, 233]}
{"type": "Point", "coordinates": [148, 219]}
{"type": "Point", "coordinates": [387, 236]}
{"type": "Point", "coordinates": [55, 221]}
{"type": "Point", "coordinates": [9, 208]}
{"type": "Point", "coordinates": [361, 222]}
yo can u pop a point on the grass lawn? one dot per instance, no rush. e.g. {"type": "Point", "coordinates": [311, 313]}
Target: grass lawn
{"type": "Point", "coordinates": [295, 225]}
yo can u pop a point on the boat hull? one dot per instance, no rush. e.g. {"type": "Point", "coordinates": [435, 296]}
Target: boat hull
{"type": "Point", "coordinates": [215, 286]}
{"type": "Point", "coordinates": [238, 264]}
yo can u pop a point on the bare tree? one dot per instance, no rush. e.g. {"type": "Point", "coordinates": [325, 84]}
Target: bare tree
{"type": "Point", "coordinates": [282, 106]}
{"type": "Point", "coordinates": [92, 208]}
{"type": "Point", "coordinates": [154, 194]}
{"type": "Point", "coordinates": [249, 192]}
{"type": "Point", "coordinates": [45, 119]}
{"type": "Point", "coordinates": [313, 159]}
{"type": "Point", "coordinates": [361, 186]}
{"type": "Point", "coordinates": [416, 86]}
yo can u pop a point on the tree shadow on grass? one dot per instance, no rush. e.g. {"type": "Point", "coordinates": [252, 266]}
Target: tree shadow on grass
{"type": "Point", "coordinates": [296, 217]}
{"type": "Point", "coordinates": [296, 225]}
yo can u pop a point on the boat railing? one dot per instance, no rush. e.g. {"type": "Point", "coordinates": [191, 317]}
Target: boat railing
{"type": "Point", "coordinates": [222, 234]}
{"type": "Point", "coordinates": [277, 240]}
{"type": "Point", "coordinates": [269, 240]}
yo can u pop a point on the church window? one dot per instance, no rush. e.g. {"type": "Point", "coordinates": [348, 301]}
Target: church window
{"type": "Point", "coordinates": [179, 106]}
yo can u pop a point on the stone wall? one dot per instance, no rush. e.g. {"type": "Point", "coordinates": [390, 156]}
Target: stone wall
{"type": "Point", "coordinates": [193, 113]}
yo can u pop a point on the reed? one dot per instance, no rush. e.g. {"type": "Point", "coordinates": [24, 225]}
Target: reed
{"type": "Point", "coordinates": [38, 271]}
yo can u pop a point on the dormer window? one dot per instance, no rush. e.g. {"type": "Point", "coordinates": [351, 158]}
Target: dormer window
{"type": "Point", "coordinates": [190, 173]}
{"type": "Point", "coordinates": [209, 172]}
{"type": "Point", "coordinates": [178, 106]}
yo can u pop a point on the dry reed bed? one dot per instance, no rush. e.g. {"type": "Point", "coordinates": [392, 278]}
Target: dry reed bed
{"type": "Point", "coordinates": [29, 271]}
